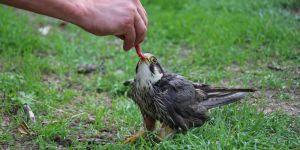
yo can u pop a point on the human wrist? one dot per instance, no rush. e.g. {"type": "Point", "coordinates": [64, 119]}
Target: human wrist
{"type": "Point", "coordinates": [77, 12]}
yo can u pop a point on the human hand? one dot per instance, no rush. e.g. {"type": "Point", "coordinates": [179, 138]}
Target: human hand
{"type": "Point", "coordinates": [126, 19]}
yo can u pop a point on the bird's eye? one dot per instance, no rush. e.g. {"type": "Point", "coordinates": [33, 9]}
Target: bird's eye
{"type": "Point", "coordinates": [153, 59]}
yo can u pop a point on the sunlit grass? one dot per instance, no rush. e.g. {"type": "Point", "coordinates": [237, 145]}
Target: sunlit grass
{"type": "Point", "coordinates": [223, 43]}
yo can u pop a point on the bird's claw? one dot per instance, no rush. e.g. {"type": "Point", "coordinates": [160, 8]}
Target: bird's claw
{"type": "Point", "coordinates": [133, 138]}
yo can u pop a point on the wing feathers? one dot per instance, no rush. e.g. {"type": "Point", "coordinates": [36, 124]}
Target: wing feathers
{"type": "Point", "coordinates": [222, 100]}
{"type": "Point", "coordinates": [218, 96]}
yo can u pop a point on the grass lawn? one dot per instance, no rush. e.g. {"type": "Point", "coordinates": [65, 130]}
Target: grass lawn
{"type": "Point", "coordinates": [237, 43]}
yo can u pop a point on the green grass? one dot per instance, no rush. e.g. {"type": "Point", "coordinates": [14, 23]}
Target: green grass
{"type": "Point", "coordinates": [219, 42]}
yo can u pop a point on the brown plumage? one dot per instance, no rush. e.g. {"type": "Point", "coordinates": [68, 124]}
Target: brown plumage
{"type": "Point", "coordinates": [177, 103]}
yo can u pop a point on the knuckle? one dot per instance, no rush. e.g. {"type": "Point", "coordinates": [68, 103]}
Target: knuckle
{"type": "Point", "coordinates": [140, 38]}
{"type": "Point", "coordinates": [131, 8]}
{"type": "Point", "coordinates": [143, 30]}
{"type": "Point", "coordinates": [142, 35]}
{"type": "Point", "coordinates": [127, 22]}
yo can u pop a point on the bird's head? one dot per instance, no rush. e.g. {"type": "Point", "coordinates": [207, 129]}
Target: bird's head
{"type": "Point", "coordinates": [148, 70]}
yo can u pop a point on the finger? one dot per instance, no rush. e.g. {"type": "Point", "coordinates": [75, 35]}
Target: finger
{"type": "Point", "coordinates": [142, 13]}
{"type": "Point", "coordinates": [129, 39]}
{"type": "Point", "coordinates": [140, 29]}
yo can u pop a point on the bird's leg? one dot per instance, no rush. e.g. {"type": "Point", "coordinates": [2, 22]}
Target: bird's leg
{"type": "Point", "coordinates": [149, 124]}
{"type": "Point", "coordinates": [165, 132]}
{"type": "Point", "coordinates": [134, 137]}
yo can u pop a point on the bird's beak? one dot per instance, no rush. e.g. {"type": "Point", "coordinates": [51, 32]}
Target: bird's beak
{"type": "Point", "coordinates": [144, 60]}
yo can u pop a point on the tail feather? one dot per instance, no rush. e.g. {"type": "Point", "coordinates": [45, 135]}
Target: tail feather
{"type": "Point", "coordinates": [223, 100]}
{"type": "Point", "coordinates": [221, 89]}
{"type": "Point", "coordinates": [219, 96]}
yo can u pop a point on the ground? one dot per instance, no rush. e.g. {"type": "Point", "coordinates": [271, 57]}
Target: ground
{"type": "Point", "coordinates": [236, 43]}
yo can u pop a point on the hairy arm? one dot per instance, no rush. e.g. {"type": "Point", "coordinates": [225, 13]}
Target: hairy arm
{"type": "Point", "coordinates": [125, 19]}
{"type": "Point", "coordinates": [62, 9]}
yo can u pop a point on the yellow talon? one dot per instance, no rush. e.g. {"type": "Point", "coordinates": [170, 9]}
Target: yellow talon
{"type": "Point", "coordinates": [165, 132]}
{"type": "Point", "coordinates": [133, 138]}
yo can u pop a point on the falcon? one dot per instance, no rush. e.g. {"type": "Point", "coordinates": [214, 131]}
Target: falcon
{"type": "Point", "coordinates": [177, 103]}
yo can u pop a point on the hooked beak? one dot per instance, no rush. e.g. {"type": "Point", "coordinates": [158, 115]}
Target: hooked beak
{"type": "Point", "coordinates": [143, 60]}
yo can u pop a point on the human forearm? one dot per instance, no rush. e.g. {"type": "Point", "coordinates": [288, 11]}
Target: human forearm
{"type": "Point", "coordinates": [67, 10]}
{"type": "Point", "coordinates": [126, 19]}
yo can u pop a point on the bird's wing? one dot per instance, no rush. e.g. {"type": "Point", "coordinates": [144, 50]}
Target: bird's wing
{"type": "Point", "coordinates": [181, 102]}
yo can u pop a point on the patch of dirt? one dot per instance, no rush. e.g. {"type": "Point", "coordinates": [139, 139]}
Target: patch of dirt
{"type": "Point", "coordinates": [275, 67]}
{"type": "Point", "coordinates": [5, 121]}
{"type": "Point", "coordinates": [82, 120]}
{"type": "Point", "coordinates": [102, 99]}
{"type": "Point", "coordinates": [44, 53]}
{"type": "Point", "coordinates": [65, 142]}
{"type": "Point", "coordinates": [78, 100]}
{"type": "Point", "coordinates": [103, 137]}
{"type": "Point", "coordinates": [4, 146]}
{"type": "Point", "coordinates": [234, 68]}
{"type": "Point", "coordinates": [23, 139]}
{"type": "Point", "coordinates": [27, 147]}
{"type": "Point", "coordinates": [14, 109]}
{"type": "Point", "coordinates": [108, 103]}
{"type": "Point", "coordinates": [273, 103]}
{"type": "Point", "coordinates": [90, 68]}
{"type": "Point", "coordinates": [185, 51]}
{"type": "Point", "coordinates": [59, 113]}
{"type": "Point", "coordinates": [20, 141]}
{"type": "Point", "coordinates": [20, 146]}
{"type": "Point", "coordinates": [52, 79]}
{"type": "Point", "coordinates": [289, 108]}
